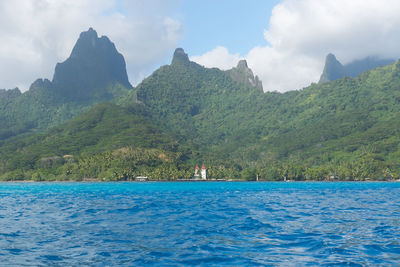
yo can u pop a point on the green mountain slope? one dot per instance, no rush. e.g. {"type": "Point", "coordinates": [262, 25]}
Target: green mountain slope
{"type": "Point", "coordinates": [104, 128]}
{"type": "Point", "coordinates": [319, 125]}
{"type": "Point", "coordinates": [184, 114]}
{"type": "Point", "coordinates": [203, 106]}
{"type": "Point", "coordinates": [93, 73]}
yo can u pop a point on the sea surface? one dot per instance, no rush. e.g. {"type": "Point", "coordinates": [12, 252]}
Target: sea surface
{"type": "Point", "coordinates": [200, 223]}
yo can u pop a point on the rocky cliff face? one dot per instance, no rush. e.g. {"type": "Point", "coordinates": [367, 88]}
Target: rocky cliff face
{"type": "Point", "coordinates": [244, 75]}
{"type": "Point", "coordinates": [180, 57]}
{"type": "Point", "coordinates": [334, 70]}
{"type": "Point", "coordinates": [94, 65]}
{"type": "Point", "coordinates": [241, 74]}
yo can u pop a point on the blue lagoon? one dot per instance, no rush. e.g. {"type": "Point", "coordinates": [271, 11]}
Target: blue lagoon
{"type": "Point", "coordinates": [206, 224]}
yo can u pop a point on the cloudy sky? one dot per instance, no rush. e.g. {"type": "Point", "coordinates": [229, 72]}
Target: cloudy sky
{"type": "Point", "coordinates": [284, 41]}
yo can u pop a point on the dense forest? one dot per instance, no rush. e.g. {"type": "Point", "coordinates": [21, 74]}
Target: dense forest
{"type": "Point", "coordinates": [97, 126]}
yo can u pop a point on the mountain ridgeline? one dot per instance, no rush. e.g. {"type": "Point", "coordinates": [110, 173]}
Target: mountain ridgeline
{"type": "Point", "coordinates": [334, 70]}
{"type": "Point", "coordinates": [194, 102]}
{"type": "Point", "coordinates": [94, 72]}
{"type": "Point", "coordinates": [185, 114]}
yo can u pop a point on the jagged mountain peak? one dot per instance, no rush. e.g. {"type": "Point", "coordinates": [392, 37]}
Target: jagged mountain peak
{"type": "Point", "coordinates": [244, 75]}
{"type": "Point", "coordinates": [93, 66]}
{"type": "Point", "coordinates": [40, 83]}
{"type": "Point", "coordinates": [90, 34]}
{"type": "Point", "coordinates": [331, 58]}
{"type": "Point", "coordinates": [89, 43]}
{"type": "Point", "coordinates": [334, 70]}
{"type": "Point", "coordinates": [180, 56]}
{"type": "Point", "coordinates": [242, 64]}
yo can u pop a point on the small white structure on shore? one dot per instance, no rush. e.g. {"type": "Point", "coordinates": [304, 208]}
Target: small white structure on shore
{"type": "Point", "coordinates": [196, 173]}
{"type": "Point", "coordinates": [141, 178]}
{"type": "Point", "coordinates": [203, 172]}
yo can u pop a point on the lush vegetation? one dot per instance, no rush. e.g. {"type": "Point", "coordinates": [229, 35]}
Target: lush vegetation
{"type": "Point", "coordinates": [184, 115]}
{"type": "Point", "coordinates": [43, 107]}
{"type": "Point", "coordinates": [340, 123]}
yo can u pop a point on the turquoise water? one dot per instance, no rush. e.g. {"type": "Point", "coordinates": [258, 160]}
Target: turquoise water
{"type": "Point", "coordinates": [220, 223]}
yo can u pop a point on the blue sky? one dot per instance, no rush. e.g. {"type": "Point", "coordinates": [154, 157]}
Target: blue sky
{"type": "Point", "coordinates": [284, 42]}
{"type": "Point", "coordinates": [236, 25]}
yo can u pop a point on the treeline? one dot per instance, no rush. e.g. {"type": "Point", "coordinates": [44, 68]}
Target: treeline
{"type": "Point", "coordinates": [127, 163]}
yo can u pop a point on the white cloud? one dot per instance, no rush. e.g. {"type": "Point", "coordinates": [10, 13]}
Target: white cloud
{"type": "Point", "coordinates": [219, 57]}
{"type": "Point", "coordinates": [302, 33]}
{"type": "Point", "coordinates": [36, 34]}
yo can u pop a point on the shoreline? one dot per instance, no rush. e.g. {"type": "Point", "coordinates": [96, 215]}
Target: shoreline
{"type": "Point", "coordinates": [201, 181]}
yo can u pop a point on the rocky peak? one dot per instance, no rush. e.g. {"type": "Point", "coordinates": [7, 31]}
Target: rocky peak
{"type": "Point", "coordinates": [242, 65]}
{"type": "Point", "coordinates": [93, 66]}
{"type": "Point", "coordinates": [331, 58]}
{"type": "Point", "coordinates": [331, 61]}
{"type": "Point", "coordinates": [90, 35]}
{"type": "Point", "coordinates": [89, 44]}
{"type": "Point", "coordinates": [334, 70]}
{"type": "Point", "coordinates": [244, 75]}
{"type": "Point", "coordinates": [40, 83]}
{"type": "Point", "coordinates": [180, 57]}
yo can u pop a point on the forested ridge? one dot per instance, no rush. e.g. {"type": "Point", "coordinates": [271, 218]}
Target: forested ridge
{"type": "Point", "coordinates": [185, 115]}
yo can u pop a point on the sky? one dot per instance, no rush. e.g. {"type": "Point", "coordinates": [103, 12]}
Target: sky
{"type": "Point", "coordinates": [285, 42]}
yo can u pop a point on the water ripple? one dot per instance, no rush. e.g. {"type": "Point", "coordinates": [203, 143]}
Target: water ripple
{"type": "Point", "coordinates": [206, 224]}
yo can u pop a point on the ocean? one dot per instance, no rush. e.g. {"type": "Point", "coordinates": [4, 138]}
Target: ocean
{"type": "Point", "coordinates": [200, 223]}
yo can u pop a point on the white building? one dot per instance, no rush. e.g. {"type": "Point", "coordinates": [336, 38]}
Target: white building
{"type": "Point", "coordinates": [203, 172]}
{"type": "Point", "coordinates": [196, 173]}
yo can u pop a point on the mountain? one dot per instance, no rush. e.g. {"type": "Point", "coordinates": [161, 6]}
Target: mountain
{"type": "Point", "coordinates": [194, 102]}
{"type": "Point", "coordinates": [334, 70]}
{"type": "Point", "coordinates": [179, 99]}
{"type": "Point", "coordinates": [125, 136]}
{"type": "Point", "coordinates": [244, 75]}
{"type": "Point", "coordinates": [93, 73]}
{"type": "Point", "coordinates": [337, 123]}
{"type": "Point", "coordinates": [93, 66]}
{"type": "Point", "coordinates": [184, 114]}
